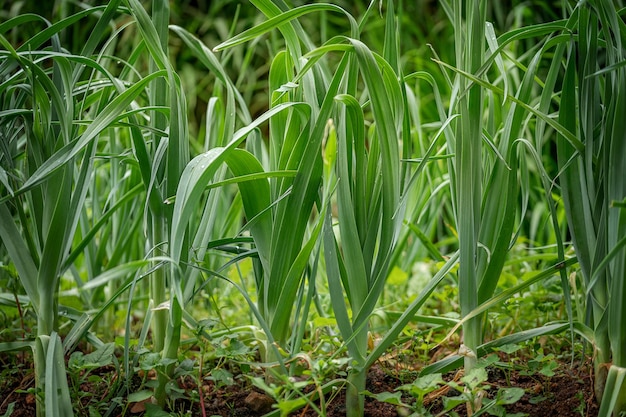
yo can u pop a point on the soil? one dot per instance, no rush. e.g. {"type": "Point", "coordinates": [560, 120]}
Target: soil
{"type": "Point", "coordinates": [568, 393]}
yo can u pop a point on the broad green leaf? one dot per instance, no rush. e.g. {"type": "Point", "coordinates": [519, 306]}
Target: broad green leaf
{"type": "Point", "coordinates": [57, 399]}
{"type": "Point", "coordinates": [109, 114]}
{"type": "Point", "coordinates": [256, 199]}
{"type": "Point", "coordinates": [19, 254]}
{"type": "Point", "coordinates": [285, 17]}
{"type": "Point", "coordinates": [423, 385]}
{"type": "Point", "coordinates": [475, 378]}
{"type": "Point", "coordinates": [139, 396]}
{"type": "Point", "coordinates": [11, 346]}
{"type": "Point", "coordinates": [101, 356]}
{"type": "Point", "coordinates": [509, 395]}
{"type": "Point", "coordinates": [200, 171]}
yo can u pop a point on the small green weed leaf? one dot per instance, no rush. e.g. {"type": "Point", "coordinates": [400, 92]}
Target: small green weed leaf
{"type": "Point", "coordinates": [10, 408]}
{"type": "Point", "coordinates": [184, 368]}
{"type": "Point", "coordinates": [423, 385]}
{"type": "Point", "coordinates": [77, 360]}
{"type": "Point", "coordinates": [206, 324]}
{"type": "Point", "coordinates": [139, 396]}
{"type": "Point", "coordinates": [174, 392]}
{"type": "Point", "coordinates": [237, 348]}
{"type": "Point", "coordinates": [487, 360]}
{"type": "Point", "coordinates": [288, 406]}
{"type": "Point", "coordinates": [222, 376]}
{"type": "Point", "coordinates": [548, 368]}
{"type": "Point", "coordinates": [509, 395]}
{"type": "Point", "coordinates": [496, 410]}
{"type": "Point", "coordinates": [429, 382]}
{"type": "Point", "coordinates": [475, 377]}
{"type": "Point", "coordinates": [149, 361]}
{"type": "Point", "coordinates": [451, 402]}
{"type": "Point", "coordinates": [100, 357]}
{"type": "Point", "coordinates": [537, 399]}
{"type": "Point", "coordinates": [261, 384]}
{"type": "Point", "coordinates": [394, 398]}
{"type": "Point", "coordinates": [93, 412]}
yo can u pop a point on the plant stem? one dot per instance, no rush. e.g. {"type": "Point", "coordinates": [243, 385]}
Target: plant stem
{"type": "Point", "coordinates": [469, 43]}
{"type": "Point", "coordinates": [158, 290]}
{"type": "Point", "coordinates": [170, 351]}
{"type": "Point", "coordinates": [356, 385]}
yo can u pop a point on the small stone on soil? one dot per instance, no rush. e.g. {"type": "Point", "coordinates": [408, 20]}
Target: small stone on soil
{"type": "Point", "coordinates": [259, 403]}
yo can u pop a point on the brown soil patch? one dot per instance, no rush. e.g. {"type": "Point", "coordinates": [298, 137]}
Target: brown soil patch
{"type": "Point", "coordinates": [568, 393]}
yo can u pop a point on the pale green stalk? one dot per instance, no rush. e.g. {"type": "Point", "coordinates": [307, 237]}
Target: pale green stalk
{"type": "Point", "coordinates": [283, 236]}
{"type": "Point", "coordinates": [165, 173]}
{"type": "Point", "coordinates": [614, 31]}
{"type": "Point", "coordinates": [52, 180]}
{"type": "Point", "coordinates": [163, 326]}
{"type": "Point", "coordinates": [369, 206]}
{"type": "Point", "coordinates": [590, 155]}
{"type": "Point", "coordinates": [468, 166]}
{"type": "Point", "coordinates": [591, 177]}
{"type": "Point", "coordinates": [486, 218]}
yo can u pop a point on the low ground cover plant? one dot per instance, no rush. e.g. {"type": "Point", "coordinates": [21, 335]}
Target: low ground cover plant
{"type": "Point", "coordinates": [197, 195]}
